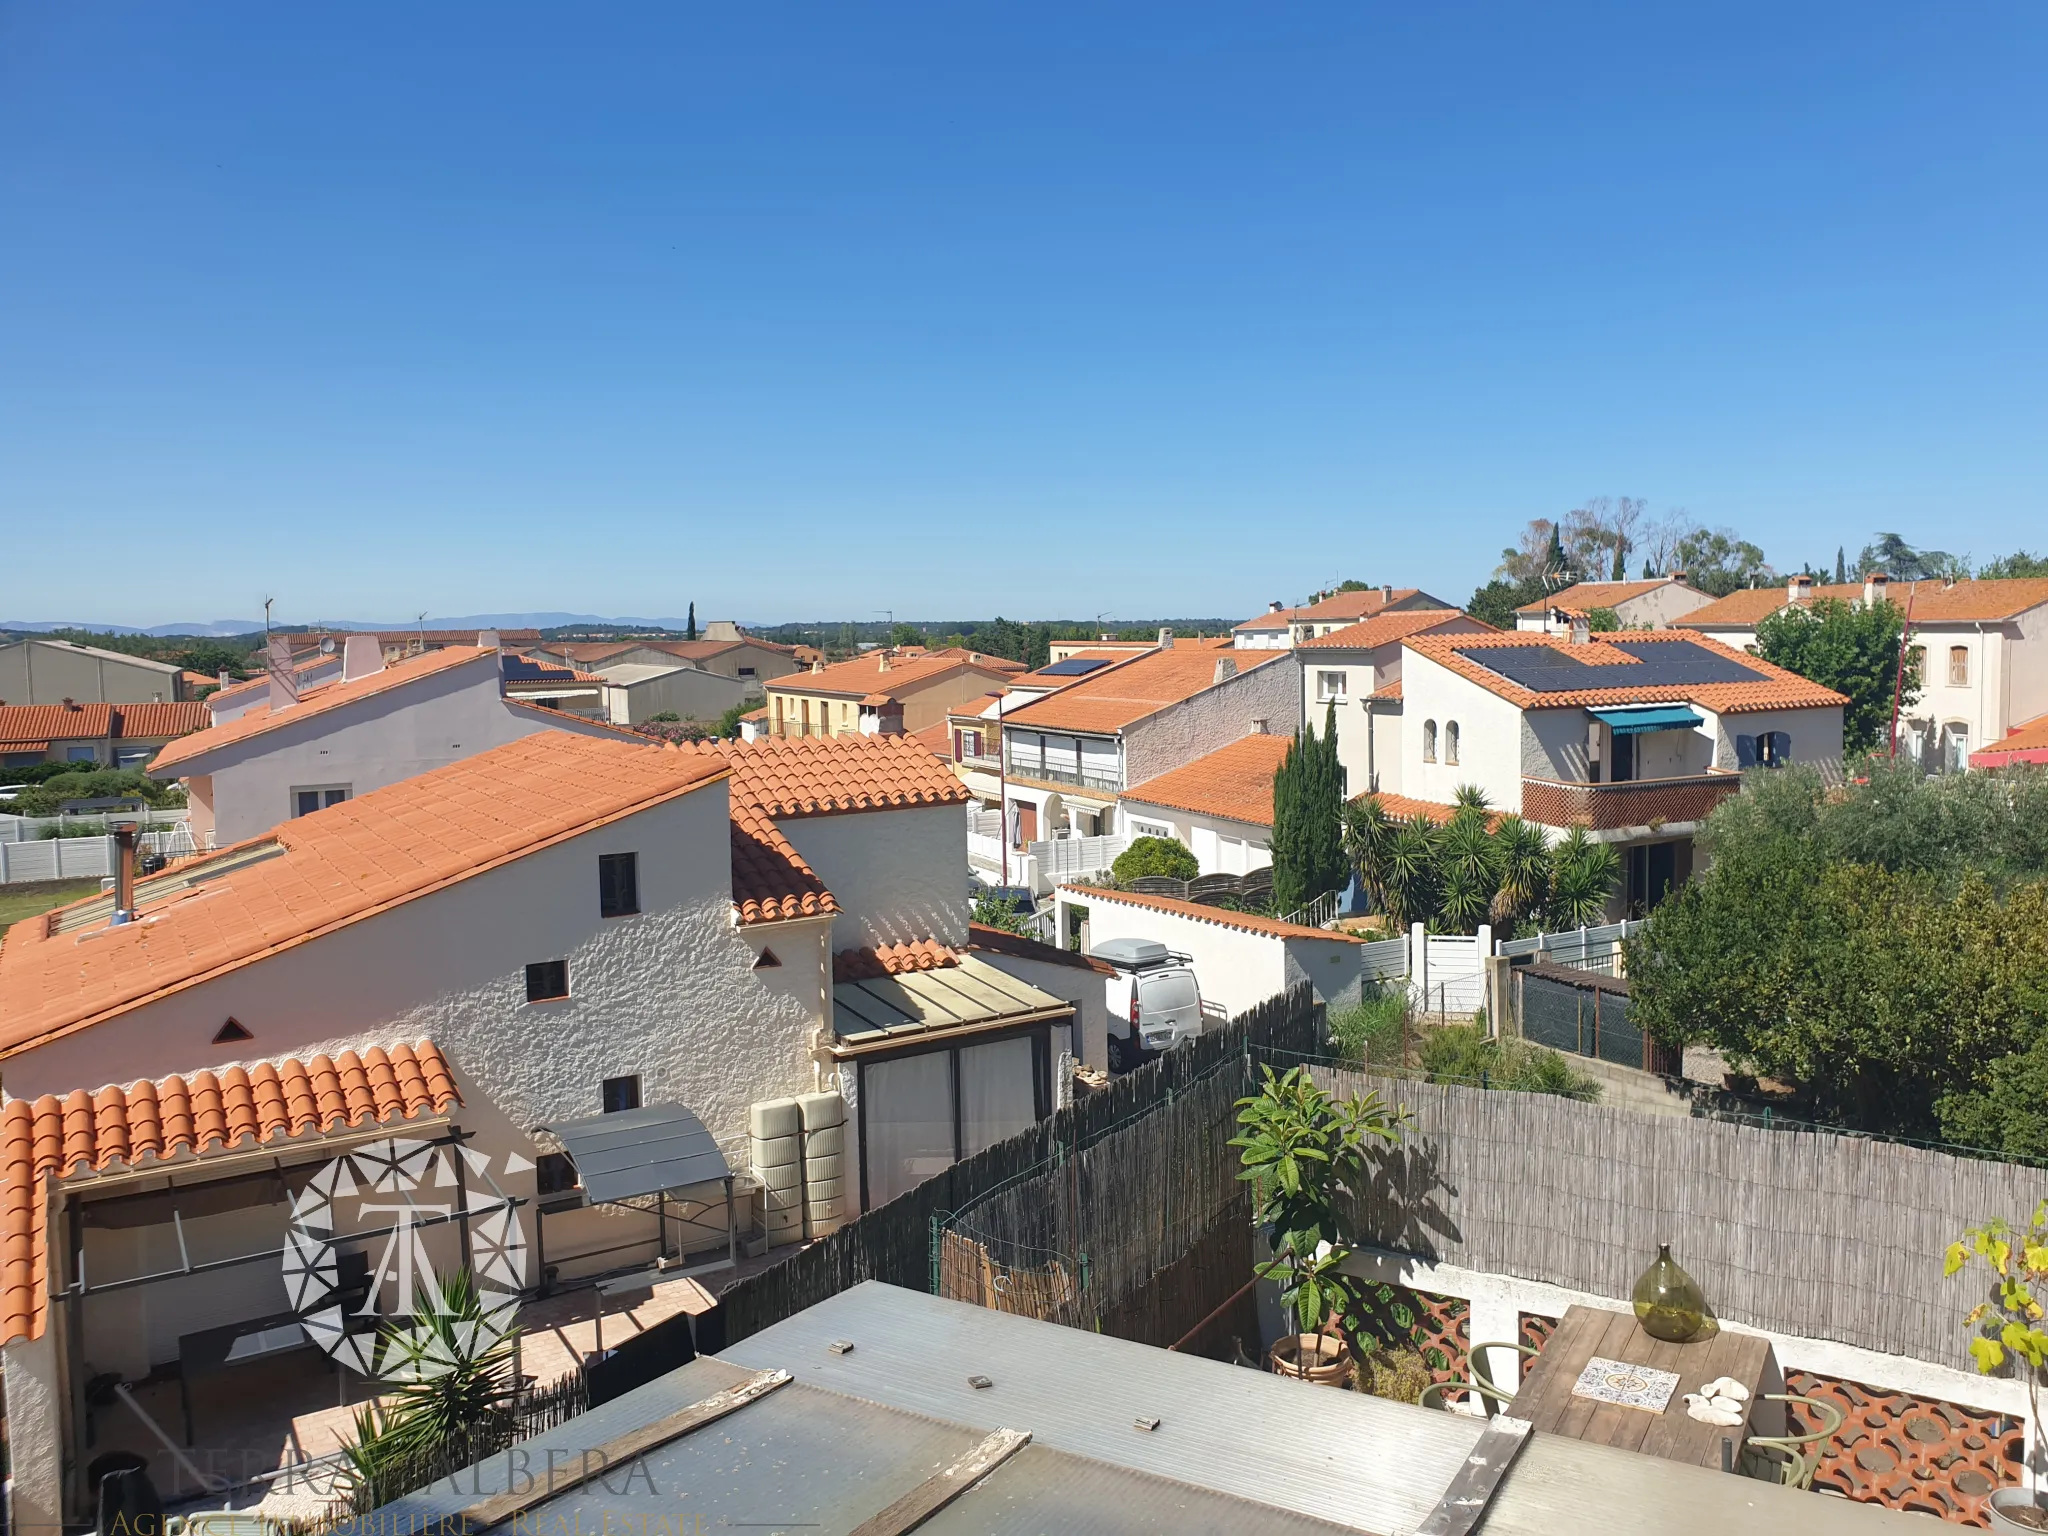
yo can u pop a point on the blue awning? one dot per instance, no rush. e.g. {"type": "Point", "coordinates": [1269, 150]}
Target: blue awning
{"type": "Point", "coordinates": [1654, 717]}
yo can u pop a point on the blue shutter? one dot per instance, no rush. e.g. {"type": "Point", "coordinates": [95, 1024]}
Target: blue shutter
{"type": "Point", "coordinates": [1745, 751]}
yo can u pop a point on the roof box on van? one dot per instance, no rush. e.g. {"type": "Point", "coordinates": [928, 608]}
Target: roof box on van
{"type": "Point", "coordinates": [1133, 954]}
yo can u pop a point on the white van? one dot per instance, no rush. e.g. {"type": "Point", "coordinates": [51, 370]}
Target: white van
{"type": "Point", "coordinates": [1154, 1001]}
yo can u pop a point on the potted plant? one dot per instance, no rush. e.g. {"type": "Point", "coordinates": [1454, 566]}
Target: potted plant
{"type": "Point", "coordinates": [2008, 1333]}
{"type": "Point", "coordinates": [1304, 1154]}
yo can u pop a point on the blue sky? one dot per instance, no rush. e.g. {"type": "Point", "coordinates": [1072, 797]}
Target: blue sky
{"type": "Point", "coordinates": [813, 311]}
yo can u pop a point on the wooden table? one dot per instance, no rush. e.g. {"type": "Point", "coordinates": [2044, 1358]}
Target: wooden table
{"type": "Point", "coordinates": [1546, 1401]}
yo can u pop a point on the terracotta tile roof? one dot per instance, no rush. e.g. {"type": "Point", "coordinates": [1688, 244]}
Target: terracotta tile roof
{"type": "Point", "coordinates": [1000, 941]}
{"type": "Point", "coordinates": [1243, 921]}
{"type": "Point", "coordinates": [147, 720]}
{"type": "Point", "coordinates": [1774, 687]}
{"type": "Point", "coordinates": [1107, 700]}
{"type": "Point", "coordinates": [1385, 628]}
{"type": "Point", "coordinates": [332, 696]}
{"type": "Point", "coordinates": [336, 866]}
{"type": "Point", "coordinates": [1967, 602]}
{"type": "Point", "coordinates": [2026, 743]}
{"type": "Point", "coordinates": [1340, 607]}
{"type": "Point", "coordinates": [1407, 808]}
{"type": "Point", "coordinates": [1391, 692]}
{"type": "Point", "coordinates": [193, 679]}
{"type": "Point", "coordinates": [45, 723]}
{"type": "Point", "coordinates": [1588, 595]}
{"type": "Point", "coordinates": [817, 776]}
{"type": "Point", "coordinates": [236, 692]}
{"type": "Point", "coordinates": [1235, 782]}
{"type": "Point", "coordinates": [771, 883]}
{"type": "Point", "coordinates": [936, 739]}
{"type": "Point", "coordinates": [863, 675]}
{"type": "Point", "coordinates": [148, 1122]}
{"type": "Point", "coordinates": [891, 960]}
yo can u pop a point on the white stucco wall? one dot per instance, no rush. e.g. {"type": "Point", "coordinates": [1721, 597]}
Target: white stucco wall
{"type": "Point", "coordinates": [1816, 733]}
{"type": "Point", "coordinates": [1490, 736]}
{"type": "Point", "coordinates": [1554, 745]}
{"type": "Point", "coordinates": [898, 875]}
{"type": "Point", "coordinates": [670, 993]}
{"type": "Point", "coordinates": [35, 1409]}
{"type": "Point", "coordinates": [1334, 969]}
{"type": "Point", "coordinates": [365, 745]}
{"type": "Point", "coordinates": [691, 692]}
{"type": "Point", "coordinates": [1220, 845]}
{"type": "Point", "coordinates": [1237, 969]}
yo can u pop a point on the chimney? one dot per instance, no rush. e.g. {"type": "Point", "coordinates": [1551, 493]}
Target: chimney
{"type": "Point", "coordinates": [1165, 639]}
{"type": "Point", "coordinates": [70, 704]}
{"type": "Point", "coordinates": [882, 659]}
{"type": "Point", "coordinates": [1674, 575]}
{"type": "Point", "coordinates": [1386, 593]}
{"type": "Point", "coordinates": [1226, 668]}
{"type": "Point", "coordinates": [224, 681]}
{"type": "Point", "coordinates": [1875, 586]}
{"type": "Point", "coordinates": [124, 874]}
{"type": "Point", "coordinates": [487, 639]}
{"type": "Point", "coordinates": [1799, 589]}
{"type": "Point", "coordinates": [1272, 607]}
{"type": "Point", "coordinates": [1580, 625]}
{"type": "Point", "coordinates": [361, 655]}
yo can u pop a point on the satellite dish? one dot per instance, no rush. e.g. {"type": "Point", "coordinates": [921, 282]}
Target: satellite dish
{"type": "Point", "coordinates": [327, 645]}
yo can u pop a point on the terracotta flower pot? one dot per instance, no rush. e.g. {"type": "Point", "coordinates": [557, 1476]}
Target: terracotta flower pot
{"type": "Point", "coordinates": [1315, 1357]}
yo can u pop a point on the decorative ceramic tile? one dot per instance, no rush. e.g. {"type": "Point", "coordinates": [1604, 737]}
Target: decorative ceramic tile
{"type": "Point", "coordinates": [1629, 1386]}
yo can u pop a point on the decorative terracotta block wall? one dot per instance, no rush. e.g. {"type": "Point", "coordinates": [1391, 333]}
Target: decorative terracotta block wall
{"type": "Point", "coordinates": [1436, 1327]}
{"type": "Point", "coordinates": [1603, 807]}
{"type": "Point", "coordinates": [1910, 1453]}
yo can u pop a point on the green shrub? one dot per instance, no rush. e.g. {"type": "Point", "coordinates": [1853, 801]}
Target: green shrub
{"type": "Point", "coordinates": [1155, 856]}
{"type": "Point", "coordinates": [87, 782]}
{"type": "Point", "coordinates": [1465, 1053]}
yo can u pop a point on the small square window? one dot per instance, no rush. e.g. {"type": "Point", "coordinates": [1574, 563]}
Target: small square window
{"type": "Point", "coordinates": [621, 1094]}
{"type": "Point", "coordinates": [306, 801]}
{"type": "Point", "coordinates": [1330, 687]}
{"type": "Point", "coordinates": [618, 884]}
{"type": "Point", "coordinates": [81, 754]}
{"type": "Point", "coordinates": [554, 1174]}
{"type": "Point", "coordinates": [547, 980]}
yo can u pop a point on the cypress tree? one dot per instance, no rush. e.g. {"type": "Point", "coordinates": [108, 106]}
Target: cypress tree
{"type": "Point", "coordinates": [690, 630]}
{"type": "Point", "coordinates": [1308, 845]}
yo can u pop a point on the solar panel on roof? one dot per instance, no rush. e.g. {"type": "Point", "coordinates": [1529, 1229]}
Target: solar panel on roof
{"type": "Point", "coordinates": [1073, 666]}
{"type": "Point", "coordinates": [1660, 664]}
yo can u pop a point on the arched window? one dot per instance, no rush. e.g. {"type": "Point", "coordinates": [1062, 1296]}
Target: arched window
{"type": "Point", "coordinates": [1429, 741]}
{"type": "Point", "coordinates": [1451, 743]}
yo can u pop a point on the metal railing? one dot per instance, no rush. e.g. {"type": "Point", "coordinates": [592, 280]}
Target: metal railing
{"type": "Point", "coordinates": [1112, 782]}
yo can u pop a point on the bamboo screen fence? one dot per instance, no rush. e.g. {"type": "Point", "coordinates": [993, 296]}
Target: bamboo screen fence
{"type": "Point", "coordinates": [1806, 1233]}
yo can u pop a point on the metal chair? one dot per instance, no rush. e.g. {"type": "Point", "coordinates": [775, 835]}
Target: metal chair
{"type": "Point", "coordinates": [1492, 1396]}
{"type": "Point", "coordinates": [1799, 1465]}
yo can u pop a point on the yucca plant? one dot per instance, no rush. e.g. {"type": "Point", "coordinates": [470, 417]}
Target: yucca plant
{"type": "Point", "coordinates": [1369, 832]}
{"type": "Point", "coordinates": [1409, 874]}
{"type": "Point", "coordinates": [1470, 870]}
{"type": "Point", "coordinates": [1582, 877]}
{"type": "Point", "coordinates": [1524, 866]}
{"type": "Point", "coordinates": [1469, 797]}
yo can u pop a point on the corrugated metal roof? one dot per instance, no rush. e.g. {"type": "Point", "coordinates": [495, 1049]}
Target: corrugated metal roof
{"type": "Point", "coordinates": [946, 997]}
{"type": "Point", "coordinates": [640, 1151]}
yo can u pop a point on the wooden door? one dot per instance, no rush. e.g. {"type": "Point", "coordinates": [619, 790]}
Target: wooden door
{"type": "Point", "coordinates": [1027, 823]}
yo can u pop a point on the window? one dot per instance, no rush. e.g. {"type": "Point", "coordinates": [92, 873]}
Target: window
{"type": "Point", "coordinates": [1773, 749]}
{"type": "Point", "coordinates": [1330, 687]}
{"type": "Point", "coordinates": [1959, 666]}
{"type": "Point", "coordinates": [621, 1094]}
{"type": "Point", "coordinates": [1429, 741]}
{"type": "Point", "coordinates": [746, 671]}
{"type": "Point", "coordinates": [1955, 743]}
{"type": "Point", "coordinates": [554, 1174]}
{"type": "Point", "coordinates": [1451, 743]}
{"type": "Point", "coordinates": [80, 754]}
{"type": "Point", "coordinates": [317, 797]}
{"type": "Point", "coordinates": [547, 980]}
{"type": "Point", "coordinates": [618, 884]}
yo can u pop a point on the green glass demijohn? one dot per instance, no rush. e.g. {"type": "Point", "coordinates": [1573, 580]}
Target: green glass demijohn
{"type": "Point", "coordinates": [1668, 1300]}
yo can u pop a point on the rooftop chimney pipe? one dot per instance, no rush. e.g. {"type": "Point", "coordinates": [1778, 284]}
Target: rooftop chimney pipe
{"type": "Point", "coordinates": [1165, 639]}
{"type": "Point", "coordinates": [124, 875]}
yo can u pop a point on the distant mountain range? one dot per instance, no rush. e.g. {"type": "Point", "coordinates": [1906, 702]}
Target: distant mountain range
{"type": "Point", "coordinates": [252, 626]}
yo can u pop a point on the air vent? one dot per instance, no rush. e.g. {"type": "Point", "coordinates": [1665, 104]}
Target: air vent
{"type": "Point", "coordinates": [231, 1033]}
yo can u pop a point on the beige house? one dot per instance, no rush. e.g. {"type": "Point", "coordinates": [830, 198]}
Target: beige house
{"type": "Point", "coordinates": [57, 671]}
{"type": "Point", "coordinates": [887, 691]}
{"type": "Point", "coordinates": [1281, 627]}
{"type": "Point", "coordinates": [635, 692]}
{"type": "Point", "coordinates": [1983, 649]}
{"type": "Point", "coordinates": [1651, 604]}
{"type": "Point", "coordinates": [1357, 670]}
{"type": "Point", "coordinates": [751, 661]}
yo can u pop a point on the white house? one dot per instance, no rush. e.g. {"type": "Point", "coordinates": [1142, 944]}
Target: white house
{"type": "Point", "coordinates": [1357, 669]}
{"type": "Point", "coordinates": [488, 954]}
{"type": "Point", "coordinates": [1219, 807]}
{"type": "Point", "coordinates": [1982, 645]}
{"type": "Point", "coordinates": [1648, 604]}
{"type": "Point", "coordinates": [1558, 730]}
{"type": "Point", "coordinates": [374, 726]}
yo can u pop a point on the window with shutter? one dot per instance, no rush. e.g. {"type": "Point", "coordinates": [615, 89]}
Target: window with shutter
{"type": "Point", "coordinates": [618, 884]}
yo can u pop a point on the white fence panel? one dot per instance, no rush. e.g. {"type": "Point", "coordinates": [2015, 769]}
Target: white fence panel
{"type": "Point", "coordinates": [1073, 858]}
{"type": "Point", "coordinates": [1586, 949]}
{"type": "Point", "coordinates": [1451, 979]}
{"type": "Point", "coordinates": [56, 858]}
{"type": "Point", "coordinates": [1385, 960]}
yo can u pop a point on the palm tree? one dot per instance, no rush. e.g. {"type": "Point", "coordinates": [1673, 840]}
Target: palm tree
{"type": "Point", "coordinates": [451, 1370]}
{"type": "Point", "coordinates": [1582, 877]}
{"type": "Point", "coordinates": [1368, 833]}
{"type": "Point", "coordinates": [1469, 797]}
{"type": "Point", "coordinates": [1524, 856]}
{"type": "Point", "coordinates": [1470, 870]}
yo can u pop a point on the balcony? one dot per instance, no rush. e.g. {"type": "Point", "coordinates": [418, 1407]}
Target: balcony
{"type": "Point", "coordinates": [1101, 783]}
{"type": "Point", "coordinates": [1652, 803]}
